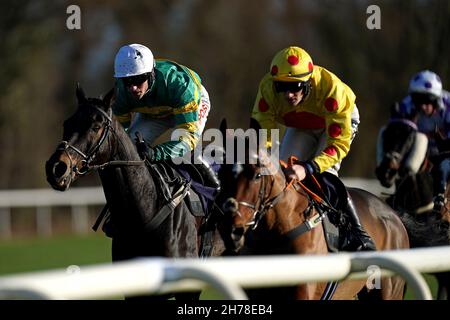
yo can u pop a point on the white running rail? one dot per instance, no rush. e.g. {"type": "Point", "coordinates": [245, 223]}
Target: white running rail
{"type": "Point", "coordinates": [227, 275]}
{"type": "Point", "coordinates": [79, 199]}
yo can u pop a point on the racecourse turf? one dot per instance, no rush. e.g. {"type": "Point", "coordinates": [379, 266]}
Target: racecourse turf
{"type": "Point", "coordinates": [33, 254]}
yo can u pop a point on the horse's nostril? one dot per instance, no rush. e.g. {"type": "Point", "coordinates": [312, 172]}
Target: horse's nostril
{"type": "Point", "coordinates": [59, 169]}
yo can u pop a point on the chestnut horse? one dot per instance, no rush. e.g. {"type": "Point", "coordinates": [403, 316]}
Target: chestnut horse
{"type": "Point", "coordinates": [266, 209]}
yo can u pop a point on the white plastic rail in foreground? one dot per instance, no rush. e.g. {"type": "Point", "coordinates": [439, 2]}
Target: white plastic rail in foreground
{"type": "Point", "coordinates": [158, 275]}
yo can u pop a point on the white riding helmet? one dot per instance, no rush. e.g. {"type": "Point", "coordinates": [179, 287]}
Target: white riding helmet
{"type": "Point", "coordinates": [132, 60]}
{"type": "Point", "coordinates": [426, 82]}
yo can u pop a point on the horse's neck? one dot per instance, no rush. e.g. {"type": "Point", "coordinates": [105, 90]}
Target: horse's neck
{"type": "Point", "coordinates": [129, 186]}
{"type": "Point", "coordinates": [287, 212]}
{"type": "Point", "coordinates": [124, 147]}
{"type": "Point", "coordinates": [414, 192]}
{"type": "Point", "coordinates": [290, 214]}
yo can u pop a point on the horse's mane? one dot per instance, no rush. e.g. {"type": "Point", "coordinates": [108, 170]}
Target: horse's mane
{"type": "Point", "coordinates": [433, 232]}
{"type": "Point", "coordinates": [268, 163]}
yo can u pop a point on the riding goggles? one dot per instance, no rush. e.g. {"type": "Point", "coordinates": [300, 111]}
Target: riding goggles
{"type": "Point", "coordinates": [423, 98]}
{"type": "Point", "coordinates": [284, 86]}
{"type": "Point", "coordinates": [135, 80]}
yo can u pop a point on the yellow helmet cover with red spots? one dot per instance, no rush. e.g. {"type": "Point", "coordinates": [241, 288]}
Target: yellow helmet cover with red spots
{"type": "Point", "coordinates": [328, 106]}
{"type": "Point", "coordinates": [291, 64]}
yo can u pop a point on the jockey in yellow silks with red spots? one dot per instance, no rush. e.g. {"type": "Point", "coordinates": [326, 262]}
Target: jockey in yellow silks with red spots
{"type": "Point", "coordinates": [320, 116]}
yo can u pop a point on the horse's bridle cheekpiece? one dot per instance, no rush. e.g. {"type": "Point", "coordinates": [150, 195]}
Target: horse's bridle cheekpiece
{"type": "Point", "coordinates": [260, 210]}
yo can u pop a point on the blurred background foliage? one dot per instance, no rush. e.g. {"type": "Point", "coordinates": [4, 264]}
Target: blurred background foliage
{"type": "Point", "coordinates": [230, 43]}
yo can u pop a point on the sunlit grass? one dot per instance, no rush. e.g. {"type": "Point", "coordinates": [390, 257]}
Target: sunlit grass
{"type": "Point", "coordinates": [25, 255]}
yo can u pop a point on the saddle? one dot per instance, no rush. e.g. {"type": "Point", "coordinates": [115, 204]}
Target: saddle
{"type": "Point", "coordinates": [176, 184]}
{"type": "Point", "coordinates": [335, 222]}
{"type": "Point", "coordinates": [171, 177]}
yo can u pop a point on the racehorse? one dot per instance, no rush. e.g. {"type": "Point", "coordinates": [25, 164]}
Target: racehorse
{"type": "Point", "coordinates": [414, 189]}
{"type": "Point", "coordinates": [267, 212]}
{"type": "Point", "coordinates": [94, 139]}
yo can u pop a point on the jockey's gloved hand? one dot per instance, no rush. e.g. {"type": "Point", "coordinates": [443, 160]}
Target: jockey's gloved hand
{"type": "Point", "coordinates": [312, 167]}
{"type": "Point", "coordinates": [300, 169]}
{"type": "Point", "coordinates": [144, 150]}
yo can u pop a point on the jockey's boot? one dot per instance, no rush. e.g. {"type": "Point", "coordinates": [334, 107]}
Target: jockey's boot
{"type": "Point", "coordinates": [208, 174]}
{"type": "Point", "coordinates": [362, 240]}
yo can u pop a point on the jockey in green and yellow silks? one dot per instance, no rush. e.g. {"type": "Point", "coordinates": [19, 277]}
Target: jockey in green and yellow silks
{"type": "Point", "coordinates": [153, 96]}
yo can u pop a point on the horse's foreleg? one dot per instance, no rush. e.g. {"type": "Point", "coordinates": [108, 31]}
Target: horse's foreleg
{"type": "Point", "coordinates": [443, 280]}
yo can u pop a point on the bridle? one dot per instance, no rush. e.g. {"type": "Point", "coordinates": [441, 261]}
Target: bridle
{"type": "Point", "coordinates": [261, 207]}
{"type": "Point", "coordinates": [90, 156]}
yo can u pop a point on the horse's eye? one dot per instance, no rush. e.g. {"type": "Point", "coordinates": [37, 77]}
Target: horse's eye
{"type": "Point", "coordinates": [258, 176]}
{"type": "Point", "coordinates": [96, 128]}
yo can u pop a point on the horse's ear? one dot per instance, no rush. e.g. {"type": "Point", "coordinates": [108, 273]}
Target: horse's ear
{"type": "Point", "coordinates": [223, 129]}
{"type": "Point", "coordinates": [254, 124]}
{"type": "Point", "coordinates": [223, 126]}
{"type": "Point", "coordinates": [81, 96]}
{"type": "Point", "coordinates": [108, 97]}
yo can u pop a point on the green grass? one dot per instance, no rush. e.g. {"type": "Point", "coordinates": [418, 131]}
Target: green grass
{"type": "Point", "coordinates": [432, 283]}
{"type": "Point", "coordinates": [25, 255]}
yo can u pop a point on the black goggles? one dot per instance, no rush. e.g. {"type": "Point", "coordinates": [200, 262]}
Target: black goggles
{"type": "Point", "coordinates": [283, 86]}
{"type": "Point", "coordinates": [135, 80]}
{"type": "Point", "coordinates": [423, 98]}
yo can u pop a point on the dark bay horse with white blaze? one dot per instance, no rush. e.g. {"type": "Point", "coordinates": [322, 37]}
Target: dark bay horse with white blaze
{"type": "Point", "coordinates": [94, 139]}
{"type": "Point", "coordinates": [267, 210]}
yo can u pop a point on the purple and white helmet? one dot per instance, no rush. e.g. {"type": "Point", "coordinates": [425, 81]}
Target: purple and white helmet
{"type": "Point", "coordinates": [426, 82]}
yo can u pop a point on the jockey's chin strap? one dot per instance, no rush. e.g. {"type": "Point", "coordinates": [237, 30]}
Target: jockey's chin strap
{"type": "Point", "coordinates": [90, 156]}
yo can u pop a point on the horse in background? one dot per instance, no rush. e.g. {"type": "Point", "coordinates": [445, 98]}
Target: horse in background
{"type": "Point", "coordinates": [142, 222]}
{"type": "Point", "coordinates": [410, 175]}
{"type": "Point", "coordinates": [269, 216]}
{"type": "Point", "coordinates": [413, 197]}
